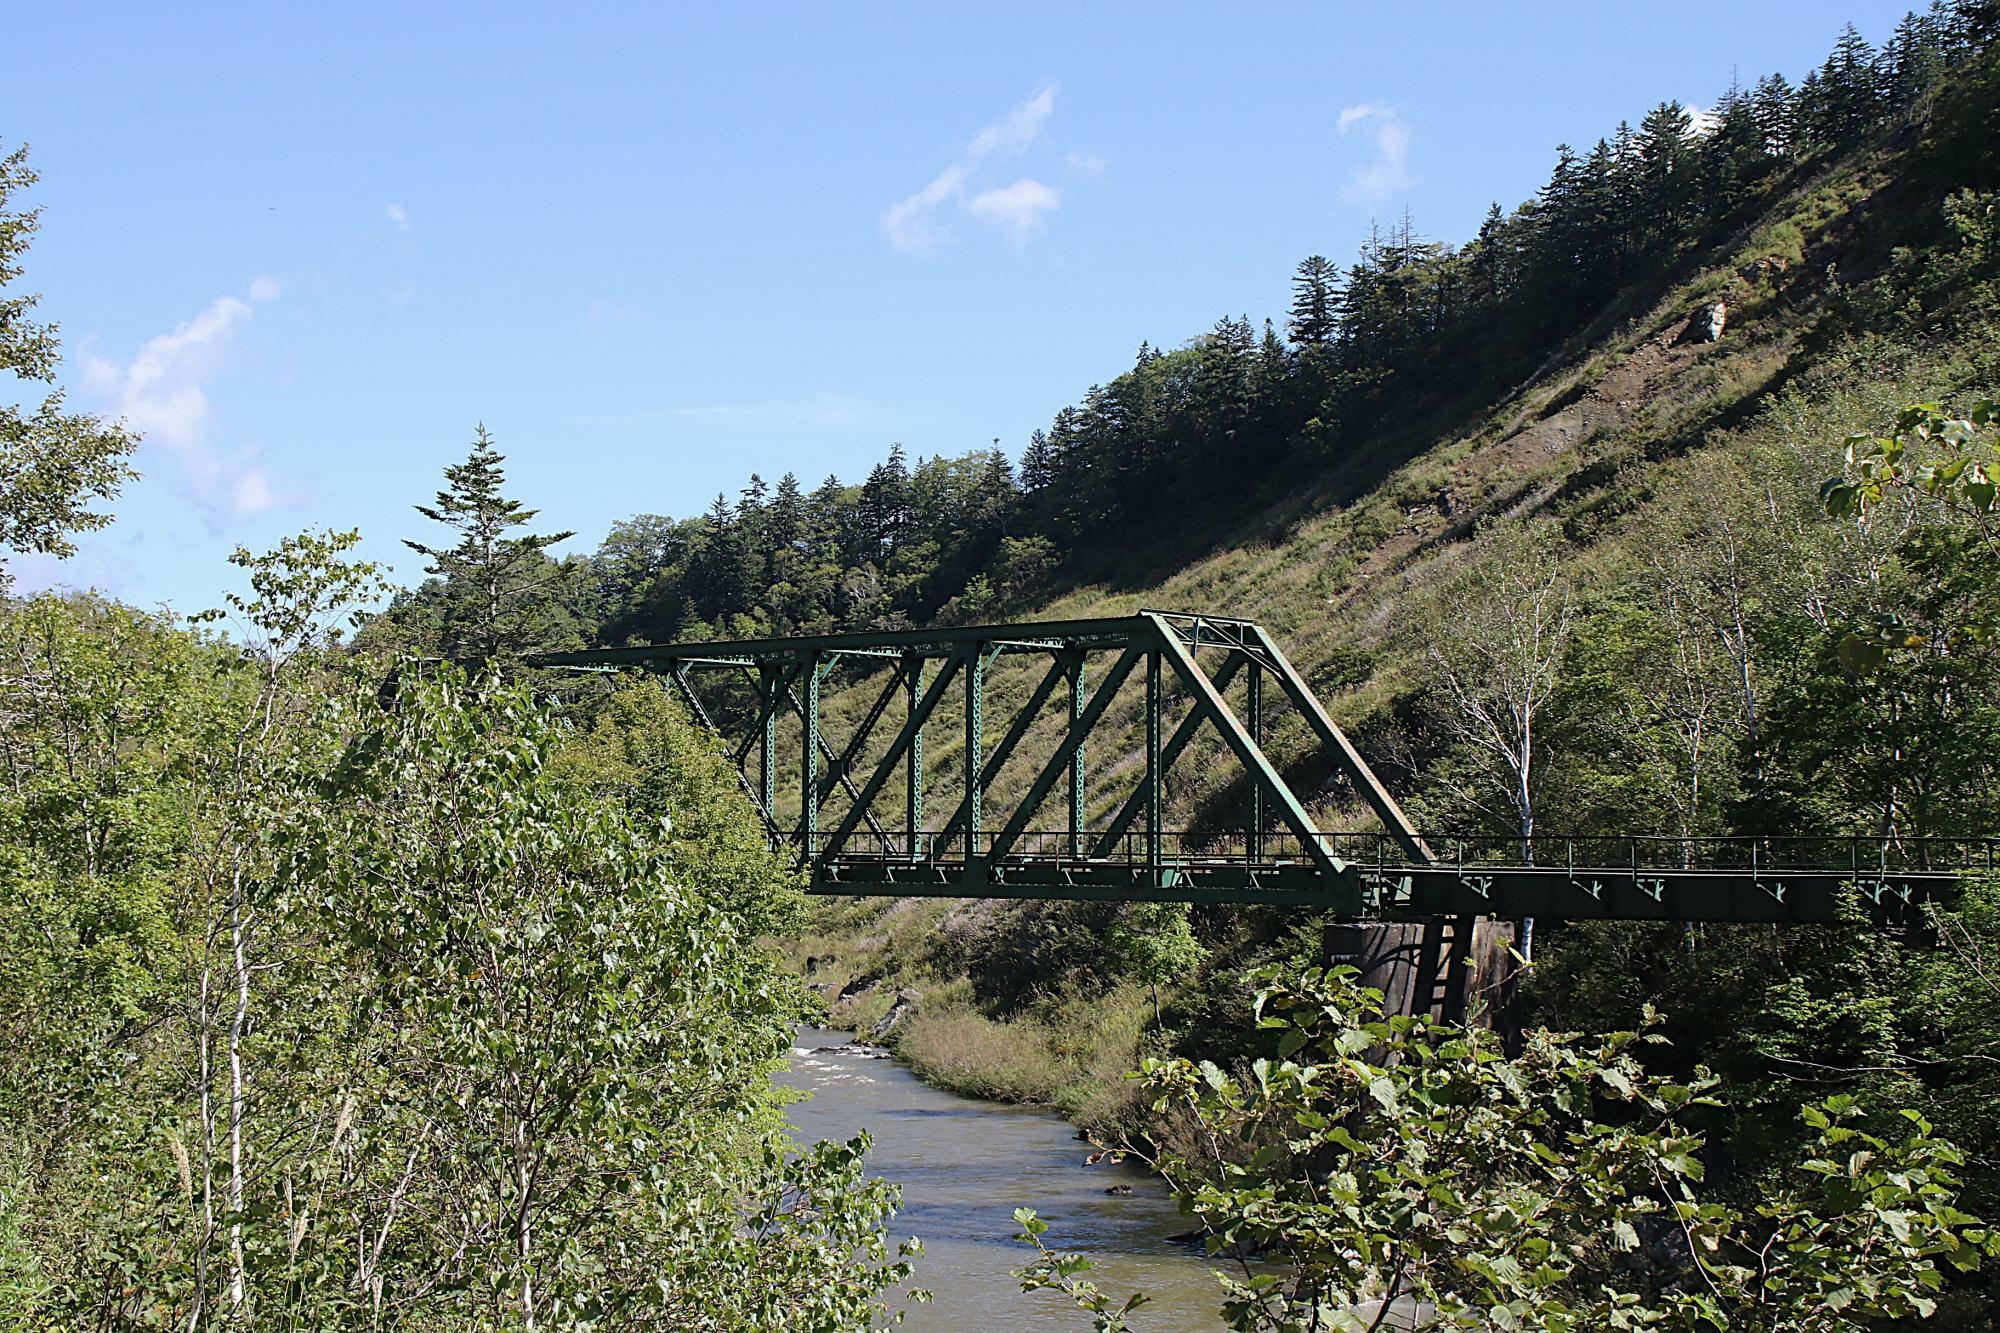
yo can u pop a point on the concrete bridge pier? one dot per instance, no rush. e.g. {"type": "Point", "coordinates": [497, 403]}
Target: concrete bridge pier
{"type": "Point", "coordinates": [1449, 968]}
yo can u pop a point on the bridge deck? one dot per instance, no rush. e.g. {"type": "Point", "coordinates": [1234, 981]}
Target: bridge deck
{"type": "Point", "coordinates": [1776, 880]}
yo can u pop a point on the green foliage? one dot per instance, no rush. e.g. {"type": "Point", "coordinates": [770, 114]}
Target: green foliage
{"type": "Point", "coordinates": [1416, 1168]}
{"type": "Point", "coordinates": [1929, 458]}
{"type": "Point", "coordinates": [1054, 1271]}
{"type": "Point", "coordinates": [324, 1013]}
{"type": "Point", "coordinates": [54, 464]}
{"type": "Point", "coordinates": [643, 754]}
{"type": "Point", "coordinates": [1155, 943]}
{"type": "Point", "coordinates": [573, 1014]}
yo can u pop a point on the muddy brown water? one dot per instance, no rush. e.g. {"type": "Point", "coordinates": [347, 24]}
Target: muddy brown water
{"type": "Point", "coordinates": [964, 1167]}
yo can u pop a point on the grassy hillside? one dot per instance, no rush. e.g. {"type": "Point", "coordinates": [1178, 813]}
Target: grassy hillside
{"type": "Point", "coordinates": [1630, 441]}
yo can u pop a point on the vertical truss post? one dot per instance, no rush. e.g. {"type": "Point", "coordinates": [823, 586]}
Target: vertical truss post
{"type": "Point", "coordinates": [1253, 843]}
{"type": "Point", "coordinates": [898, 750]}
{"type": "Point", "coordinates": [1345, 756]}
{"type": "Point", "coordinates": [913, 776]}
{"type": "Point", "coordinates": [1075, 660]}
{"type": "Point", "coordinates": [1058, 763]}
{"type": "Point", "coordinates": [1208, 699]}
{"type": "Point", "coordinates": [1155, 844]}
{"type": "Point", "coordinates": [809, 761]}
{"type": "Point", "coordinates": [975, 749]}
{"type": "Point", "coordinates": [996, 758]}
{"type": "Point", "coordinates": [767, 736]}
{"type": "Point", "coordinates": [1177, 743]}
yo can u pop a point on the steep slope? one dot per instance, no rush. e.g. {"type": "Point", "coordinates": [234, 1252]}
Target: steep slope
{"type": "Point", "coordinates": [1621, 444]}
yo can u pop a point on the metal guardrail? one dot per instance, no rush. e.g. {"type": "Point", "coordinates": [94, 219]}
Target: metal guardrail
{"type": "Point", "coordinates": [1856, 854]}
{"type": "Point", "coordinates": [1778, 880]}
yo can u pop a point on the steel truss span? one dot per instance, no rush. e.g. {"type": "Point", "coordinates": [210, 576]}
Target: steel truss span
{"type": "Point", "coordinates": [859, 809]}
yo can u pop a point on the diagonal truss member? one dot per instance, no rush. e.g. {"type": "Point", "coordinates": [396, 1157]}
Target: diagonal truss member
{"type": "Point", "coordinates": [861, 812]}
{"type": "Point", "coordinates": [1086, 666]}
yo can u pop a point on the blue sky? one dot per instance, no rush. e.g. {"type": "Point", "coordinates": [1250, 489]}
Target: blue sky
{"type": "Point", "coordinates": [658, 248]}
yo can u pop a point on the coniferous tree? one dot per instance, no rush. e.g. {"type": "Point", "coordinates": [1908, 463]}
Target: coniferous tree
{"type": "Point", "coordinates": [1039, 464]}
{"type": "Point", "coordinates": [1666, 171]}
{"type": "Point", "coordinates": [786, 518]}
{"type": "Point", "coordinates": [1732, 154]}
{"type": "Point", "coordinates": [1774, 106]}
{"type": "Point", "coordinates": [885, 504]}
{"type": "Point", "coordinates": [496, 585]}
{"type": "Point", "coordinates": [1315, 301]}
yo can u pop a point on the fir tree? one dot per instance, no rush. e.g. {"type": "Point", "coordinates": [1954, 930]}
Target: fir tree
{"type": "Point", "coordinates": [1666, 170]}
{"type": "Point", "coordinates": [1315, 301]}
{"type": "Point", "coordinates": [1774, 106]}
{"type": "Point", "coordinates": [885, 505]}
{"type": "Point", "coordinates": [495, 584]}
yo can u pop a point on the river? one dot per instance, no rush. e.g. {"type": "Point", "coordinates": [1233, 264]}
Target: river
{"type": "Point", "coordinates": [965, 1166]}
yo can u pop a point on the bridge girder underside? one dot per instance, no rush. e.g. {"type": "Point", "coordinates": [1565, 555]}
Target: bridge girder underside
{"type": "Point", "coordinates": [764, 698]}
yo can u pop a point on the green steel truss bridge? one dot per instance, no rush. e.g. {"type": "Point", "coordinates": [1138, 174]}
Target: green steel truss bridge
{"type": "Point", "coordinates": [866, 818]}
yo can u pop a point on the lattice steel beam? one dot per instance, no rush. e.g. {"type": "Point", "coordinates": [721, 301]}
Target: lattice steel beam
{"type": "Point", "coordinates": [1278, 857]}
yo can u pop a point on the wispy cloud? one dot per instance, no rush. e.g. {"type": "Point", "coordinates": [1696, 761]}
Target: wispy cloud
{"type": "Point", "coordinates": [913, 223]}
{"type": "Point", "coordinates": [1385, 171]}
{"type": "Point", "coordinates": [1017, 129]}
{"type": "Point", "coordinates": [910, 221]}
{"type": "Point", "coordinates": [162, 393]}
{"type": "Point", "coordinates": [398, 216]}
{"type": "Point", "coordinates": [1020, 209]}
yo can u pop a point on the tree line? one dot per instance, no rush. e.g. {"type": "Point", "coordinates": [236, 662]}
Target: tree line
{"type": "Point", "coordinates": [1212, 429]}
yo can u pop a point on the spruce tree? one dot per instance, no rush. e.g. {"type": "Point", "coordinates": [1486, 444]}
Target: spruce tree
{"type": "Point", "coordinates": [1038, 463]}
{"type": "Point", "coordinates": [1775, 107]}
{"type": "Point", "coordinates": [1666, 170]}
{"type": "Point", "coordinates": [496, 585]}
{"type": "Point", "coordinates": [786, 521]}
{"type": "Point", "coordinates": [1315, 302]}
{"type": "Point", "coordinates": [885, 505]}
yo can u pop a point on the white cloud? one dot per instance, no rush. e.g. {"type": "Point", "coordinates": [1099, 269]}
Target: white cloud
{"type": "Point", "coordinates": [1017, 129]}
{"type": "Point", "coordinates": [1386, 171]}
{"type": "Point", "coordinates": [912, 223]}
{"type": "Point", "coordinates": [909, 221]}
{"type": "Point", "coordinates": [398, 216]}
{"type": "Point", "coordinates": [162, 393]}
{"type": "Point", "coordinates": [1020, 209]}
{"type": "Point", "coordinates": [253, 493]}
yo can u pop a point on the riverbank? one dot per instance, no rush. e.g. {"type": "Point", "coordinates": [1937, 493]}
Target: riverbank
{"type": "Point", "coordinates": [894, 973]}
{"type": "Point", "coordinates": [1021, 1002]}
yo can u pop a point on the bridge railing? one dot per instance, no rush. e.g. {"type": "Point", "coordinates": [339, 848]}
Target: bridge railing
{"type": "Point", "coordinates": [1859, 855]}
{"type": "Point", "coordinates": [1131, 847]}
